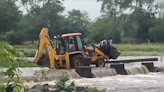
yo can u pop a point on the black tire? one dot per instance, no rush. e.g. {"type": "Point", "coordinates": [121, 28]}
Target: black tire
{"type": "Point", "coordinates": [100, 63]}
{"type": "Point", "coordinates": [77, 60]}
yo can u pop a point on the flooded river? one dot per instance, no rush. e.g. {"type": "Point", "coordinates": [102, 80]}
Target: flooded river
{"type": "Point", "coordinates": [151, 82]}
{"type": "Point", "coordinates": [127, 83]}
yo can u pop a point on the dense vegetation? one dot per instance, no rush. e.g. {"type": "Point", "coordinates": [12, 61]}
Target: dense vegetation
{"type": "Point", "coordinates": [139, 26]}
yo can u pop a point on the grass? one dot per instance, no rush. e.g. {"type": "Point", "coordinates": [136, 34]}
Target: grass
{"type": "Point", "coordinates": [140, 50]}
{"type": "Point", "coordinates": [141, 47]}
{"type": "Point", "coordinates": [125, 49]}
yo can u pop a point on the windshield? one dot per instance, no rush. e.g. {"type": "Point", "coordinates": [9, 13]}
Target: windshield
{"type": "Point", "coordinates": [59, 46]}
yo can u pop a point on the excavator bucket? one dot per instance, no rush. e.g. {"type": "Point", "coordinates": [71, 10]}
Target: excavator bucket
{"type": "Point", "coordinates": [44, 60]}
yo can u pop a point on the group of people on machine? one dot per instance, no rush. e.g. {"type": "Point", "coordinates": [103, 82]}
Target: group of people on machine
{"type": "Point", "coordinates": [70, 45]}
{"type": "Point", "coordinates": [105, 46]}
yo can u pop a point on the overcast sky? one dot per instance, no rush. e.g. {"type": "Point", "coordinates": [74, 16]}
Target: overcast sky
{"type": "Point", "coordinates": [92, 7]}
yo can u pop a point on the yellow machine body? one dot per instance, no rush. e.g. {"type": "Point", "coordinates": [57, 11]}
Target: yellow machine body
{"type": "Point", "coordinates": [82, 56]}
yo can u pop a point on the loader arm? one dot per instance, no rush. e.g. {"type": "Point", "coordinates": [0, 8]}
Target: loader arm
{"type": "Point", "coordinates": [91, 48]}
{"type": "Point", "coordinates": [44, 42]}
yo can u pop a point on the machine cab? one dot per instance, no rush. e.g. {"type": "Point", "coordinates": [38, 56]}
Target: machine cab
{"type": "Point", "coordinates": [71, 42]}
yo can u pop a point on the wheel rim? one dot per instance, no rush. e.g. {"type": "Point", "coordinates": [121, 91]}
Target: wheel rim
{"type": "Point", "coordinates": [101, 63]}
{"type": "Point", "coordinates": [78, 62]}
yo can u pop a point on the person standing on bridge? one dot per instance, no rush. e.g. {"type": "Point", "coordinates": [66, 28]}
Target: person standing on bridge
{"type": "Point", "coordinates": [109, 42]}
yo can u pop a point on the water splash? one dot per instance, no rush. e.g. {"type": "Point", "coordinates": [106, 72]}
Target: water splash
{"type": "Point", "coordinates": [54, 74]}
{"type": "Point", "coordinates": [102, 72]}
{"type": "Point", "coordinates": [137, 70]}
{"type": "Point", "coordinates": [159, 69]}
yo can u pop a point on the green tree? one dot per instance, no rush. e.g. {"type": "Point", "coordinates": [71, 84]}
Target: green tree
{"type": "Point", "coordinates": [42, 13]}
{"type": "Point", "coordinates": [51, 16]}
{"type": "Point", "coordinates": [106, 27]}
{"type": "Point", "coordinates": [77, 21]}
{"type": "Point", "coordinates": [157, 31]}
{"type": "Point", "coordinates": [30, 20]}
{"type": "Point", "coordinates": [140, 17]}
{"type": "Point", "coordinates": [14, 37]}
{"type": "Point", "coordinates": [9, 16]}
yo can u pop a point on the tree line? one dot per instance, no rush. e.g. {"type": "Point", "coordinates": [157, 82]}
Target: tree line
{"type": "Point", "coordinates": [144, 22]}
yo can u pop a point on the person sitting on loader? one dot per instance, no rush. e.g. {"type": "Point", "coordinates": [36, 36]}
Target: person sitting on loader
{"type": "Point", "coordinates": [71, 45]}
{"type": "Point", "coordinates": [61, 48]}
{"type": "Point", "coordinates": [109, 42]}
{"type": "Point", "coordinates": [104, 44]}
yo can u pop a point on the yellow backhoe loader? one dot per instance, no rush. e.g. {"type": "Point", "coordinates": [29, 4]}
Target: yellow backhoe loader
{"type": "Point", "coordinates": [69, 52]}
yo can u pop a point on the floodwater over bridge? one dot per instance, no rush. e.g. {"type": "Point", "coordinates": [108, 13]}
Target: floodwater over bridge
{"type": "Point", "coordinates": [139, 79]}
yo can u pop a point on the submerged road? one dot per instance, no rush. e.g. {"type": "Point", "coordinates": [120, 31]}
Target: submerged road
{"type": "Point", "coordinates": [122, 57]}
{"type": "Point", "coordinates": [29, 71]}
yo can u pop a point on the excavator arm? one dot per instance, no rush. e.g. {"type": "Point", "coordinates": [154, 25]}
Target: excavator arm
{"type": "Point", "coordinates": [44, 42]}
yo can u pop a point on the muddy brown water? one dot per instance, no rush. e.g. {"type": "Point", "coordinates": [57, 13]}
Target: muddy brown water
{"type": "Point", "coordinates": [138, 80]}
{"type": "Point", "coordinates": [152, 82]}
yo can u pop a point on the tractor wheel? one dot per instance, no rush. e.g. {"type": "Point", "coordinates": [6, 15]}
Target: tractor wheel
{"type": "Point", "coordinates": [100, 63]}
{"type": "Point", "coordinates": [77, 60]}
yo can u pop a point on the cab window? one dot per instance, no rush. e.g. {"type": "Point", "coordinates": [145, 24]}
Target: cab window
{"type": "Point", "coordinates": [79, 43]}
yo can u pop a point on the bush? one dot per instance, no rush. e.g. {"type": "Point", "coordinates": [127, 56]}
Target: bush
{"type": "Point", "coordinates": [61, 84]}
{"type": "Point", "coordinates": [10, 59]}
{"type": "Point", "coordinates": [14, 37]}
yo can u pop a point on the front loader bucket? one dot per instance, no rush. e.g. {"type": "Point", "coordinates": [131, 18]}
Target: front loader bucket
{"type": "Point", "coordinates": [114, 53]}
{"type": "Point", "coordinates": [111, 52]}
{"type": "Point", "coordinates": [44, 60]}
